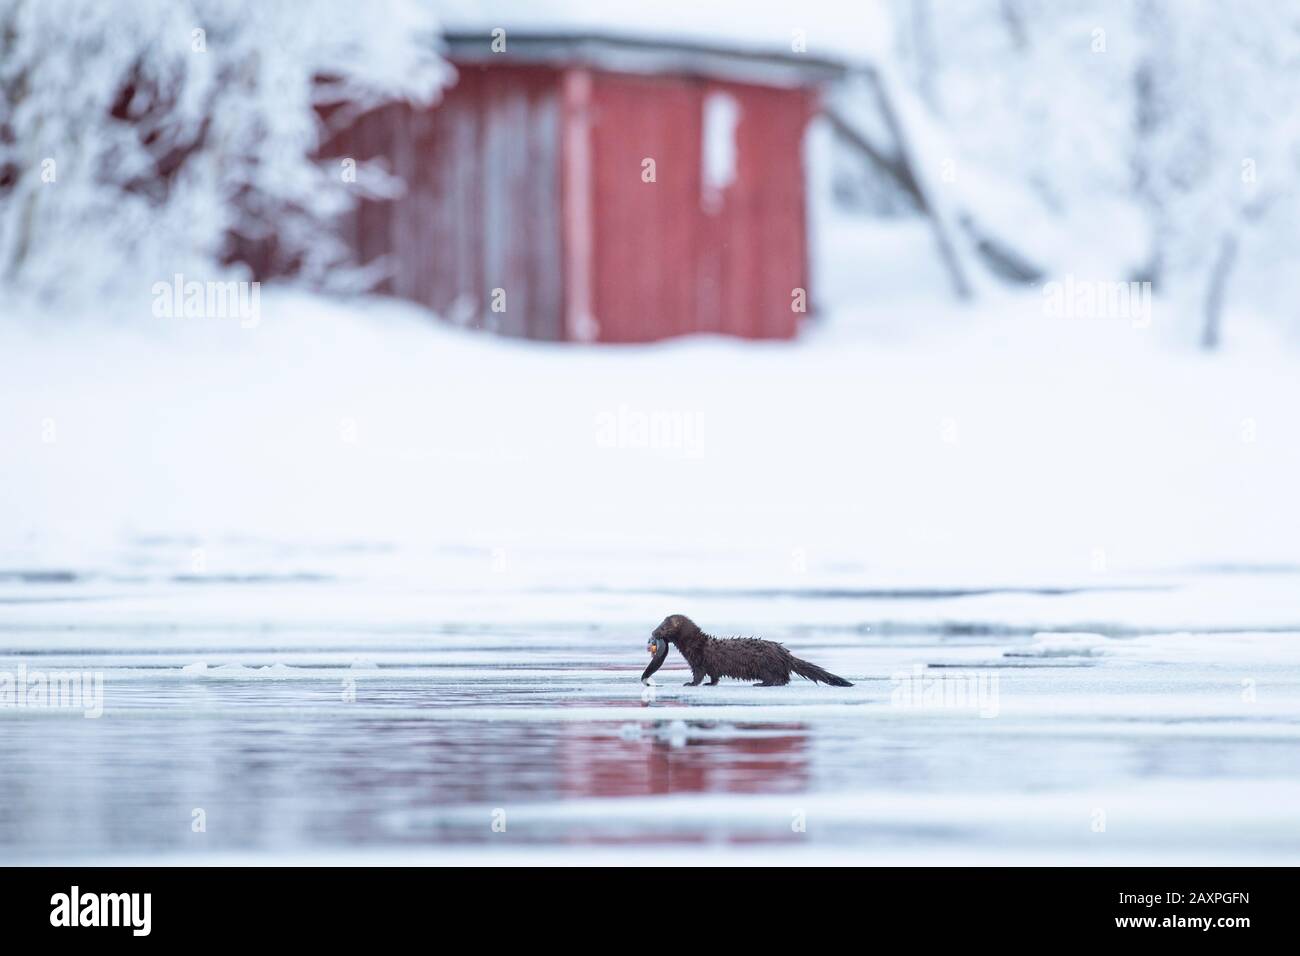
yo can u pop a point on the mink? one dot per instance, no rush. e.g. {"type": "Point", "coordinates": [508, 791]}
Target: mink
{"type": "Point", "coordinates": [745, 658]}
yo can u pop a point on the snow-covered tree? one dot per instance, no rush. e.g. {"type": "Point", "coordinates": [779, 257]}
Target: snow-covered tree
{"type": "Point", "coordinates": [1161, 130]}
{"type": "Point", "coordinates": [148, 137]}
{"type": "Point", "coordinates": [1037, 93]}
{"type": "Point", "coordinates": [1217, 153]}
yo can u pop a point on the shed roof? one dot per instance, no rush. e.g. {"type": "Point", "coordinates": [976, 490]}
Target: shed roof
{"type": "Point", "coordinates": [851, 32]}
{"type": "Point", "coordinates": [646, 54]}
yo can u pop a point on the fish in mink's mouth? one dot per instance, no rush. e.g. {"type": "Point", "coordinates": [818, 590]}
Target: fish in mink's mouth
{"type": "Point", "coordinates": [658, 649]}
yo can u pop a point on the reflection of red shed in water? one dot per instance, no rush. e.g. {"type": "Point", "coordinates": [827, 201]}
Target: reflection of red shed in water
{"type": "Point", "coordinates": [581, 188]}
{"type": "Point", "coordinates": [758, 758]}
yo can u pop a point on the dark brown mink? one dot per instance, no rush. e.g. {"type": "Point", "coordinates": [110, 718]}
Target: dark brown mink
{"type": "Point", "coordinates": [745, 658]}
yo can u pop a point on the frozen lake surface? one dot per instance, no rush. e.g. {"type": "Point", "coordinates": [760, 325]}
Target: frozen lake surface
{"type": "Point", "coordinates": [332, 719]}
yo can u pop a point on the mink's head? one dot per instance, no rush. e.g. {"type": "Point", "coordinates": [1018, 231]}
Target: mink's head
{"type": "Point", "coordinates": [675, 626]}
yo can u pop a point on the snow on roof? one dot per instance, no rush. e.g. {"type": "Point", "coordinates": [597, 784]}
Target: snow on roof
{"type": "Point", "coordinates": [649, 55]}
{"type": "Point", "coordinates": [852, 32]}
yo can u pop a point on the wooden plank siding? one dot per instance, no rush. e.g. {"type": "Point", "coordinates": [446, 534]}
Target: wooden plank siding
{"type": "Point", "coordinates": [481, 208]}
{"type": "Point", "coordinates": [643, 271]}
{"type": "Point", "coordinates": [666, 265]}
{"type": "Point", "coordinates": [528, 178]}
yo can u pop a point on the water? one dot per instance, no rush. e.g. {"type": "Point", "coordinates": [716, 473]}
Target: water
{"type": "Point", "coordinates": [238, 725]}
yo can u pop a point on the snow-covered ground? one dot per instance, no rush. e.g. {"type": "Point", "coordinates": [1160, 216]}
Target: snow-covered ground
{"type": "Point", "coordinates": [899, 443]}
{"type": "Point", "coordinates": [243, 529]}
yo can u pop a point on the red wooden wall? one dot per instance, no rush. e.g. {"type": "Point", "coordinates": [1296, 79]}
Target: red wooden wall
{"type": "Point", "coordinates": [665, 265]}
{"type": "Point", "coordinates": [481, 208]}
{"type": "Point", "coordinates": [529, 179]}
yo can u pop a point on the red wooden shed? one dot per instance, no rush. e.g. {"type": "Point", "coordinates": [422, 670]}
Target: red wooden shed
{"type": "Point", "coordinates": [598, 188]}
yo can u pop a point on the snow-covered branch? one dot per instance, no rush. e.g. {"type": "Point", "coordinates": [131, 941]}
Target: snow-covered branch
{"type": "Point", "coordinates": [141, 139]}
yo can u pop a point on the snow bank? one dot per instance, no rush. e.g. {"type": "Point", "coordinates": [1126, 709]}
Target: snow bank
{"type": "Point", "coordinates": [1182, 647]}
{"type": "Point", "coordinates": [993, 446]}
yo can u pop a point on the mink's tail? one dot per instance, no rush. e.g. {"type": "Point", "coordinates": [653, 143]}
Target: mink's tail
{"type": "Point", "coordinates": [817, 674]}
